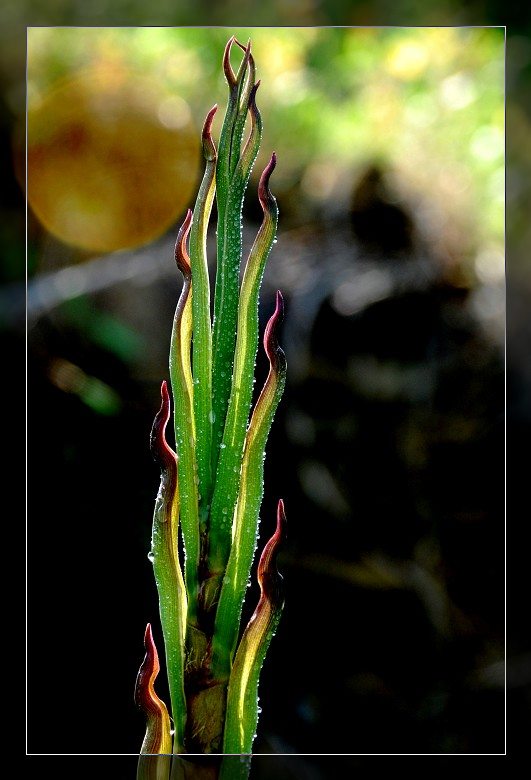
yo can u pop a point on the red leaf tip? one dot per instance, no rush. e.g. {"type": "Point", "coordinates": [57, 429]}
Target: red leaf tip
{"type": "Point", "coordinates": [208, 121]}
{"type": "Point", "coordinates": [181, 254]}
{"type": "Point", "coordinates": [162, 453]}
{"type": "Point", "coordinates": [264, 195]}
{"type": "Point", "coordinates": [157, 739]}
{"type": "Point", "coordinates": [269, 579]}
{"type": "Point", "coordinates": [227, 67]}
{"type": "Point", "coordinates": [244, 48]}
{"type": "Point", "coordinates": [252, 96]}
{"type": "Point", "coordinates": [149, 642]}
{"type": "Point", "coordinates": [209, 148]}
{"type": "Point", "coordinates": [152, 656]}
{"type": "Point", "coordinates": [281, 512]}
{"type": "Point", "coordinates": [145, 696]}
{"type": "Point", "coordinates": [271, 345]}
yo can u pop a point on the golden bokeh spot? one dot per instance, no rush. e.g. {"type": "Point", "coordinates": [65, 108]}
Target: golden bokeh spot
{"type": "Point", "coordinates": [113, 159]}
{"type": "Point", "coordinates": [408, 59]}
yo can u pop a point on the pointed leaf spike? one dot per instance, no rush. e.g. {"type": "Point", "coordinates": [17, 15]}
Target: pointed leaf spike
{"type": "Point", "coordinates": [271, 344]}
{"type": "Point", "coordinates": [252, 95]}
{"type": "Point", "coordinates": [227, 67]}
{"type": "Point", "coordinates": [269, 578]}
{"type": "Point", "coordinates": [209, 148]}
{"type": "Point", "coordinates": [242, 46]}
{"type": "Point", "coordinates": [181, 253]}
{"type": "Point", "coordinates": [246, 58]}
{"type": "Point", "coordinates": [157, 739]}
{"type": "Point", "coordinates": [264, 193]}
{"type": "Point", "coordinates": [163, 455]}
{"type": "Point", "coordinates": [245, 163]}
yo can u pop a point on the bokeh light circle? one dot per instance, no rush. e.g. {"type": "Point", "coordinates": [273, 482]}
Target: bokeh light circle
{"type": "Point", "coordinates": [113, 159]}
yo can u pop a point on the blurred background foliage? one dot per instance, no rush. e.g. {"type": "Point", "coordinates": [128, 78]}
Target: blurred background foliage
{"type": "Point", "coordinates": [389, 445]}
{"type": "Point", "coordinates": [426, 103]}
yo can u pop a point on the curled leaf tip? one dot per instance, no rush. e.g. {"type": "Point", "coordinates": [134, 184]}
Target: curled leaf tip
{"type": "Point", "coordinates": [271, 345]}
{"type": "Point", "coordinates": [157, 739]}
{"type": "Point", "coordinates": [145, 696]}
{"type": "Point", "coordinates": [207, 127]}
{"type": "Point", "coordinates": [151, 650]}
{"type": "Point", "coordinates": [227, 67]}
{"type": "Point", "coordinates": [269, 578]}
{"type": "Point", "coordinates": [181, 253]}
{"type": "Point", "coordinates": [265, 197]}
{"type": "Point", "coordinates": [162, 453]}
{"type": "Point", "coordinates": [245, 63]}
{"type": "Point", "coordinates": [252, 96]}
{"type": "Point", "coordinates": [209, 148]}
{"type": "Point", "coordinates": [244, 48]}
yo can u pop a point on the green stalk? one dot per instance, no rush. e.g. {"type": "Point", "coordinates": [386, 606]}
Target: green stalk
{"type": "Point", "coordinates": [232, 180]}
{"type": "Point", "coordinates": [228, 472]}
{"type": "Point", "coordinates": [166, 568]}
{"type": "Point", "coordinates": [202, 335]}
{"type": "Point", "coordinates": [247, 509]}
{"type": "Point", "coordinates": [182, 387]}
{"type": "Point", "coordinates": [235, 767]}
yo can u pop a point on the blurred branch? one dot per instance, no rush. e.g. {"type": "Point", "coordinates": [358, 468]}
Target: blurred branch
{"type": "Point", "coordinates": [48, 290]}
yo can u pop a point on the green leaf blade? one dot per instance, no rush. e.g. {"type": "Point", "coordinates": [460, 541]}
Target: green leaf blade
{"type": "Point", "coordinates": [242, 700]}
{"type": "Point", "coordinates": [182, 387]}
{"type": "Point", "coordinates": [202, 334]}
{"type": "Point", "coordinates": [248, 506]}
{"type": "Point", "coordinates": [230, 459]}
{"type": "Point", "coordinates": [166, 567]}
{"type": "Point", "coordinates": [233, 171]}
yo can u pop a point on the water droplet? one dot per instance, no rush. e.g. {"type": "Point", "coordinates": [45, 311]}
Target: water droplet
{"type": "Point", "coordinates": [212, 417]}
{"type": "Point", "coordinates": [151, 557]}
